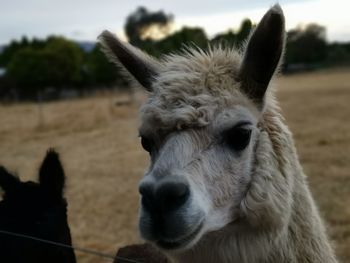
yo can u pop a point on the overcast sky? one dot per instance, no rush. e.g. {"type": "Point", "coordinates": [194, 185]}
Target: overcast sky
{"type": "Point", "coordinates": [84, 19]}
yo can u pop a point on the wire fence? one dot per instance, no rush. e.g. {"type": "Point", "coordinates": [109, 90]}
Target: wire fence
{"type": "Point", "coordinates": [65, 246]}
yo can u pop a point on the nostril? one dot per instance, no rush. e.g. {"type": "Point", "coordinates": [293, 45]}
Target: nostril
{"type": "Point", "coordinates": [172, 195]}
{"type": "Point", "coordinates": [147, 203]}
{"type": "Point", "coordinates": [178, 190]}
{"type": "Point", "coordinates": [146, 191]}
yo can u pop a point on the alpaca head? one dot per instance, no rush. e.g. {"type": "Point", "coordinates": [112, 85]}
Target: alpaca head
{"type": "Point", "coordinates": [201, 127]}
{"type": "Point", "coordinates": [35, 209]}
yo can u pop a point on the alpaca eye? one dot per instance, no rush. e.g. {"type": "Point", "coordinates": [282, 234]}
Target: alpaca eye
{"type": "Point", "coordinates": [238, 137]}
{"type": "Point", "coordinates": [146, 144]}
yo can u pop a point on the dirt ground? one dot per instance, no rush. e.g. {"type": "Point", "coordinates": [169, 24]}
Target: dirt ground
{"type": "Point", "coordinates": [103, 160]}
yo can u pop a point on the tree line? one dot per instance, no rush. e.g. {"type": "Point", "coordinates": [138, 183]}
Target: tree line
{"type": "Point", "coordinates": [34, 65]}
{"type": "Point", "coordinates": [55, 62]}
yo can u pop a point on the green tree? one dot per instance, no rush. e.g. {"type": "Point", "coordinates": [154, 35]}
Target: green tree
{"type": "Point", "coordinates": [30, 69]}
{"type": "Point", "coordinates": [143, 24]}
{"type": "Point", "coordinates": [338, 54]}
{"type": "Point", "coordinates": [307, 45]}
{"type": "Point", "coordinates": [11, 49]}
{"type": "Point", "coordinates": [234, 39]}
{"type": "Point", "coordinates": [150, 32]}
{"type": "Point", "coordinates": [58, 64]}
{"type": "Point", "coordinates": [185, 37]}
{"type": "Point", "coordinates": [244, 31]}
{"type": "Point", "coordinates": [229, 38]}
{"type": "Point", "coordinates": [70, 59]}
{"type": "Point", "coordinates": [98, 70]}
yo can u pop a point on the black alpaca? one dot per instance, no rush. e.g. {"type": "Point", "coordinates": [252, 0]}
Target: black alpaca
{"type": "Point", "coordinates": [38, 210]}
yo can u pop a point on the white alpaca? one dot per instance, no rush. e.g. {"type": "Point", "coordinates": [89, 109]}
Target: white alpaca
{"type": "Point", "coordinates": [225, 183]}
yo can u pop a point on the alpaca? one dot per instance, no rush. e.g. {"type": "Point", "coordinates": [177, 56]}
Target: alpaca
{"type": "Point", "coordinates": [225, 183]}
{"type": "Point", "coordinates": [38, 210]}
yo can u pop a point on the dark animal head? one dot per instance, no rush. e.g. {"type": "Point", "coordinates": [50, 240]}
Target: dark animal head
{"type": "Point", "coordinates": [38, 210]}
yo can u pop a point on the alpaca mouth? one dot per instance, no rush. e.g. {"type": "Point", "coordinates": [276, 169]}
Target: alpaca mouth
{"type": "Point", "coordinates": [178, 243]}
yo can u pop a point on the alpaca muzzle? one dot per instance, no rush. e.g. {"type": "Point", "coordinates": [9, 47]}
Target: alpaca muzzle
{"type": "Point", "coordinates": [164, 216]}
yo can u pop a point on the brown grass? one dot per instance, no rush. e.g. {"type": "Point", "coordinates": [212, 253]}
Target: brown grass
{"type": "Point", "coordinates": [103, 160]}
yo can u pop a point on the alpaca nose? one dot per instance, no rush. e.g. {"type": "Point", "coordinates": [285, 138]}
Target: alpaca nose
{"type": "Point", "coordinates": [165, 196]}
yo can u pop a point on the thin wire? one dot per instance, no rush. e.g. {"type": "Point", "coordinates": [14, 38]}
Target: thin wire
{"type": "Point", "coordinates": [81, 249]}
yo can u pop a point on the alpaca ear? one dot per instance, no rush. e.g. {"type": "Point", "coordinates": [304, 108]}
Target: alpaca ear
{"type": "Point", "coordinates": [7, 180]}
{"type": "Point", "coordinates": [263, 54]}
{"type": "Point", "coordinates": [51, 175]}
{"type": "Point", "coordinates": [138, 64]}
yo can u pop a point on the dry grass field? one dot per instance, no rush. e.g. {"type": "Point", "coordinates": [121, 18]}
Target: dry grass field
{"type": "Point", "coordinates": [100, 150]}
